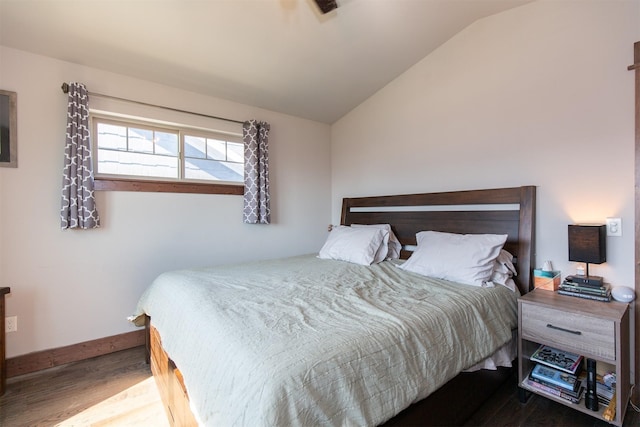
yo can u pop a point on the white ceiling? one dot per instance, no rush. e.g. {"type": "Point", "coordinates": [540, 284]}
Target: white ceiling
{"type": "Point", "coordinates": [282, 55]}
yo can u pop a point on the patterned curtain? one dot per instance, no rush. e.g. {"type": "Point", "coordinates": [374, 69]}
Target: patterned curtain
{"type": "Point", "coordinates": [78, 202]}
{"type": "Point", "coordinates": [256, 172]}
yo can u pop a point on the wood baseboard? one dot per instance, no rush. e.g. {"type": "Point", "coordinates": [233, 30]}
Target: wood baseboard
{"type": "Point", "coordinates": [39, 360]}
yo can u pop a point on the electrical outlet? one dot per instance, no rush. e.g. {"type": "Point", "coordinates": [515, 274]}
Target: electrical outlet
{"type": "Point", "coordinates": [614, 227]}
{"type": "Point", "coordinates": [11, 324]}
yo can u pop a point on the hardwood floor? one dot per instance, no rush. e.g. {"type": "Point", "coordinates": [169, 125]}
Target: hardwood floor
{"type": "Point", "coordinates": [112, 390]}
{"type": "Point", "coordinates": [505, 409]}
{"type": "Point", "coordinates": [118, 390]}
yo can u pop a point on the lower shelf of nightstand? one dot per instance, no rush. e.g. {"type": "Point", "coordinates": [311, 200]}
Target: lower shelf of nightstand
{"type": "Point", "coordinates": [579, 406]}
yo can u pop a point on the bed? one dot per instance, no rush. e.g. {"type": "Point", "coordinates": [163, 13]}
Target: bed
{"type": "Point", "coordinates": [356, 348]}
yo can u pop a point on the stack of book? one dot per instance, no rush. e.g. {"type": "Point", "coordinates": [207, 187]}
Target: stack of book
{"type": "Point", "coordinates": [605, 390]}
{"type": "Point", "coordinates": [556, 373]}
{"type": "Point", "coordinates": [584, 290]}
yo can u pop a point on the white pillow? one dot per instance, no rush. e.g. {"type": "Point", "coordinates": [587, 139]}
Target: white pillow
{"type": "Point", "coordinates": [503, 271]}
{"type": "Point", "coordinates": [356, 245]}
{"type": "Point", "coordinates": [381, 253]}
{"type": "Point", "coordinates": [394, 246]}
{"type": "Point", "coordinates": [462, 258]}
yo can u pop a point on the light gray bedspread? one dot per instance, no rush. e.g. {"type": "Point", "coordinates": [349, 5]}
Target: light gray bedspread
{"type": "Point", "coordinates": [305, 341]}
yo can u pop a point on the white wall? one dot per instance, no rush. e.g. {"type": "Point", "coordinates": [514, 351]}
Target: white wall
{"type": "Point", "coordinates": [72, 286]}
{"type": "Point", "coordinates": [536, 95]}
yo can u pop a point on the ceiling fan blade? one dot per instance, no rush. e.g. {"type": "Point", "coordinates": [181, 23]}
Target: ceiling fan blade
{"type": "Point", "coordinates": [326, 5]}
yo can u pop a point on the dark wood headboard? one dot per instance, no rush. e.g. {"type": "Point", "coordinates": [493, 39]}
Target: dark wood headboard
{"type": "Point", "coordinates": [508, 211]}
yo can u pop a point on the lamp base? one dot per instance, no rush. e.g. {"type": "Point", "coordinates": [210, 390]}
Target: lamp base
{"type": "Point", "coordinates": [586, 280]}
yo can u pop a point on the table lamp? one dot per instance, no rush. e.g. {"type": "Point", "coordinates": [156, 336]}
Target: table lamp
{"type": "Point", "coordinates": [588, 244]}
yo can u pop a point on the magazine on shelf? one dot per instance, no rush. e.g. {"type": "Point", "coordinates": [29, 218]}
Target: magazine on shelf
{"type": "Point", "coordinates": [558, 390]}
{"type": "Point", "coordinates": [604, 298]}
{"type": "Point", "coordinates": [555, 377]}
{"type": "Point", "coordinates": [600, 290]}
{"type": "Point", "coordinates": [572, 397]}
{"type": "Point", "coordinates": [603, 401]}
{"type": "Point", "coordinates": [572, 393]}
{"type": "Point", "coordinates": [559, 359]}
{"type": "Point", "coordinates": [603, 391]}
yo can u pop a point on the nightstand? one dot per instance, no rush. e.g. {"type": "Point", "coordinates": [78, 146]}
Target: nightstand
{"type": "Point", "coordinates": [3, 372]}
{"type": "Point", "coordinates": [593, 329]}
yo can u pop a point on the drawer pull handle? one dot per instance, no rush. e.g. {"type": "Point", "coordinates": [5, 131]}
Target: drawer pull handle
{"type": "Point", "coordinates": [549, 325]}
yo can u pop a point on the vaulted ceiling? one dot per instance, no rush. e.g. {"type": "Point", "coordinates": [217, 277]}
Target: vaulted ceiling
{"type": "Point", "coordinates": [282, 55]}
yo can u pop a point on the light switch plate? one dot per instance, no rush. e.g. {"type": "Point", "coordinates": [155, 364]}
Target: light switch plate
{"type": "Point", "coordinates": [614, 227]}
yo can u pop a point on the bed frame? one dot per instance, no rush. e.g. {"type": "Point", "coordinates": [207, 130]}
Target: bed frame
{"type": "Point", "coordinates": [498, 211]}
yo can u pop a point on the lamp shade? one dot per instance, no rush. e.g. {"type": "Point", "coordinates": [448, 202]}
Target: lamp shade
{"type": "Point", "coordinates": [588, 243]}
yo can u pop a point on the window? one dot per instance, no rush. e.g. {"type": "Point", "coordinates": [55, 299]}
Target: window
{"type": "Point", "coordinates": [143, 155]}
{"type": "Point", "coordinates": [213, 158]}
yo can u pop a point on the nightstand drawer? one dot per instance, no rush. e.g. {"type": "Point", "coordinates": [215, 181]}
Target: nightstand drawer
{"type": "Point", "coordinates": [569, 331]}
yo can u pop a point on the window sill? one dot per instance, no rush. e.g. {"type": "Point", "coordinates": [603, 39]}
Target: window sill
{"type": "Point", "coordinates": [111, 184]}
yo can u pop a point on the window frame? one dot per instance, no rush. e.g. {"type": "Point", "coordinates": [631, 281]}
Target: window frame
{"type": "Point", "coordinates": [114, 182]}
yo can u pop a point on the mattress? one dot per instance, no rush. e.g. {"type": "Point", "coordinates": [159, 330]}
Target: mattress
{"type": "Point", "coordinates": [307, 341]}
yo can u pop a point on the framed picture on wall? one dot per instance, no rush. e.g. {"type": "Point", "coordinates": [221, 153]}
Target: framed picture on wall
{"type": "Point", "coordinates": [8, 129]}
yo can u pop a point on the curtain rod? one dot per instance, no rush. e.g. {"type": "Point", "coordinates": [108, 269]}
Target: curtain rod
{"type": "Point", "coordinates": [65, 89]}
